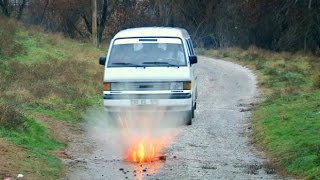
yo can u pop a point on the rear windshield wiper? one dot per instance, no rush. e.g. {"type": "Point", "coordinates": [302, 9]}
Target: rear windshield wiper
{"type": "Point", "coordinates": [161, 63]}
{"type": "Point", "coordinates": [127, 64]}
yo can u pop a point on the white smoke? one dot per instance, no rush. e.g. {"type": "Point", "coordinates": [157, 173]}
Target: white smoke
{"type": "Point", "coordinates": [116, 131]}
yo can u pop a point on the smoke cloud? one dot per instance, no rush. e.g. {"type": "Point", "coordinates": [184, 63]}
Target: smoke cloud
{"type": "Point", "coordinates": [120, 132]}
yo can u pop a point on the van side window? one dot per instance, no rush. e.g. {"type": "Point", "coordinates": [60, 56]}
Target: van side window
{"type": "Point", "coordinates": [190, 47]}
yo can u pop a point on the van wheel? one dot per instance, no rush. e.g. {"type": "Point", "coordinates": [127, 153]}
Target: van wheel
{"type": "Point", "coordinates": [194, 108]}
{"type": "Point", "coordinates": [188, 117]}
{"type": "Point", "coordinates": [195, 104]}
{"type": "Point", "coordinates": [192, 112]}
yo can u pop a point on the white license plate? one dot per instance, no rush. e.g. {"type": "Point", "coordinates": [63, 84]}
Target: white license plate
{"type": "Point", "coordinates": [141, 102]}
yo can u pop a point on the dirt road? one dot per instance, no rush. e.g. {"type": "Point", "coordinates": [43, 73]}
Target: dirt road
{"type": "Point", "coordinates": [216, 146]}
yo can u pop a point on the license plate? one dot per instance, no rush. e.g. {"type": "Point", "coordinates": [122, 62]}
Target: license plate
{"type": "Point", "coordinates": [141, 102]}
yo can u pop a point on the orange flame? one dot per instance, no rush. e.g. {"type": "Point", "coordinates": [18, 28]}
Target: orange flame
{"type": "Point", "coordinates": [144, 141]}
{"type": "Point", "coordinates": [142, 146]}
{"type": "Point", "coordinates": [145, 150]}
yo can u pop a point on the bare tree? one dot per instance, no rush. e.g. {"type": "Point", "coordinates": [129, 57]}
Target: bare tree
{"type": "Point", "coordinates": [278, 25]}
{"type": "Point", "coordinates": [13, 8]}
{"type": "Point", "coordinates": [21, 7]}
{"type": "Point", "coordinates": [102, 20]}
{"type": "Point", "coordinates": [6, 7]}
{"type": "Point", "coordinates": [94, 22]}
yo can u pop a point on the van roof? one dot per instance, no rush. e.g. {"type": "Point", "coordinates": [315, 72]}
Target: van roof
{"type": "Point", "coordinates": [153, 32]}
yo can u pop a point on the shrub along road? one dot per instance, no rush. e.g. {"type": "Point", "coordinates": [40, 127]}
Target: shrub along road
{"type": "Point", "coordinates": [216, 146]}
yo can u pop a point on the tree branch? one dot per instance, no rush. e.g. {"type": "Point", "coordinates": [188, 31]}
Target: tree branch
{"type": "Point", "coordinates": [5, 7]}
{"type": "Point", "coordinates": [21, 8]}
{"type": "Point", "coordinates": [44, 11]}
{"type": "Point", "coordinates": [310, 2]}
{"type": "Point", "coordinates": [103, 20]}
{"type": "Point", "coordinates": [88, 24]}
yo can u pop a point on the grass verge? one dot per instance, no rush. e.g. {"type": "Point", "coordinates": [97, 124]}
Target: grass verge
{"type": "Point", "coordinates": [34, 138]}
{"type": "Point", "coordinates": [47, 74]}
{"type": "Point", "coordinates": [287, 122]}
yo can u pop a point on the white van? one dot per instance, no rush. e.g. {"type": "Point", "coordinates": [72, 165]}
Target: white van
{"type": "Point", "coordinates": [150, 68]}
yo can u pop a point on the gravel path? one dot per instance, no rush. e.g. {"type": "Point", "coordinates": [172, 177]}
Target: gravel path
{"type": "Point", "coordinates": [216, 146]}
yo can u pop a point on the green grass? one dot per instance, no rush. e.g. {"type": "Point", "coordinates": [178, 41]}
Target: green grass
{"type": "Point", "coordinates": [289, 127]}
{"type": "Point", "coordinates": [52, 75]}
{"type": "Point", "coordinates": [37, 47]}
{"type": "Point", "coordinates": [45, 74]}
{"type": "Point", "coordinates": [287, 122]}
{"type": "Point", "coordinates": [71, 112]}
{"type": "Point", "coordinates": [35, 139]}
{"type": "Point", "coordinates": [69, 115]}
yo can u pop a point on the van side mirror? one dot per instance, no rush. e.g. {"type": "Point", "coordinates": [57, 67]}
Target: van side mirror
{"type": "Point", "coordinates": [193, 59]}
{"type": "Point", "coordinates": [102, 60]}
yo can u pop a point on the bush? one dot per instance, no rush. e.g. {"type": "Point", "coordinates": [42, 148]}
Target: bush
{"type": "Point", "coordinates": [10, 116]}
{"type": "Point", "coordinates": [8, 46]}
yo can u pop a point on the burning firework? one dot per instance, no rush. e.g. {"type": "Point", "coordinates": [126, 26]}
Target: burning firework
{"type": "Point", "coordinates": [144, 145]}
{"type": "Point", "coordinates": [146, 150]}
{"type": "Point", "coordinates": [140, 138]}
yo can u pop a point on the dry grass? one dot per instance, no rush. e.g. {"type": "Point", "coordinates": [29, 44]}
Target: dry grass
{"type": "Point", "coordinates": [49, 76]}
{"type": "Point", "coordinates": [281, 71]}
{"type": "Point", "coordinates": [53, 84]}
{"type": "Point", "coordinates": [54, 75]}
{"type": "Point", "coordinates": [67, 79]}
{"type": "Point", "coordinates": [8, 46]}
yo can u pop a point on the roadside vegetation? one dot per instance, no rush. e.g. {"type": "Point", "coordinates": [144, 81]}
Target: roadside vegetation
{"type": "Point", "coordinates": [287, 120]}
{"type": "Point", "coordinates": [43, 74]}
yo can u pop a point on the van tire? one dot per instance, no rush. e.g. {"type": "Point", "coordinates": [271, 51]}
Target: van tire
{"type": "Point", "coordinates": [194, 108]}
{"type": "Point", "coordinates": [195, 104]}
{"type": "Point", "coordinates": [188, 117]}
